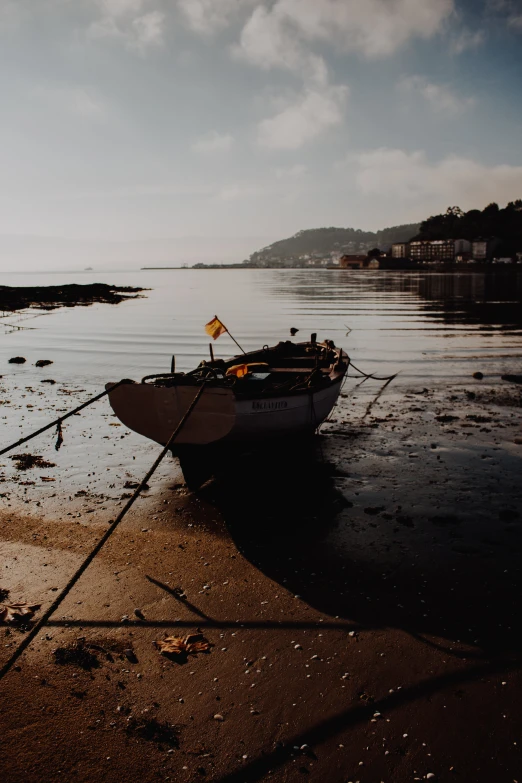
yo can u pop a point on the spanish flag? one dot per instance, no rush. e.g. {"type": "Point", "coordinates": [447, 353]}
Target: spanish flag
{"type": "Point", "coordinates": [215, 328]}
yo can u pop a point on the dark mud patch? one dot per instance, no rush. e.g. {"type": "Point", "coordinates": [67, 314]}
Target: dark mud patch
{"type": "Point", "coordinates": [53, 296]}
{"type": "Point", "coordinates": [79, 653]}
{"type": "Point", "coordinates": [28, 461]}
{"type": "Point", "coordinates": [152, 730]}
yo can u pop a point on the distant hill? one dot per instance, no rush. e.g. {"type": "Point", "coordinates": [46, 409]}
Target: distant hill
{"type": "Point", "coordinates": [324, 241]}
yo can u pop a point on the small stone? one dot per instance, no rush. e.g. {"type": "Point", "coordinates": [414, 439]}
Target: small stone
{"type": "Point", "coordinates": [297, 647]}
{"type": "Point", "coordinates": [125, 618]}
{"type": "Point", "coordinates": [17, 360]}
{"type": "Point", "coordinates": [139, 614]}
{"type": "Point", "coordinates": [218, 716]}
{"type": "Point", "coordinates": [478, 376]}
{"type": "Point", "coordinates": [430, 776]}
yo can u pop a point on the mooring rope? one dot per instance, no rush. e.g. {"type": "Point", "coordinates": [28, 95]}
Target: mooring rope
{"type": "Point", "coordinates": [90, 557]}
{"type": "Point", "coordinates": [62, 418]}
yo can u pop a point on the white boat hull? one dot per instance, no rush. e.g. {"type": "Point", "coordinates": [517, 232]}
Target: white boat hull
{"type": "Point", "coordinates": [155, 413]}
{"type": "Point", "coordinates": [286, 415]}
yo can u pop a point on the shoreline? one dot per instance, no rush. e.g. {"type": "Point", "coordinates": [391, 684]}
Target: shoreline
{"type": "Point", "coordinates": [362, 608]}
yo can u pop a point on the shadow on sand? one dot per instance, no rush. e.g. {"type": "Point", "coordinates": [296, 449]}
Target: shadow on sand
{"type": "Point", "coordinates": [285, 514]}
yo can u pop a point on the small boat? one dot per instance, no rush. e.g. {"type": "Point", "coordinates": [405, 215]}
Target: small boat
{"type": "Point", "coordinates": [280, 392]}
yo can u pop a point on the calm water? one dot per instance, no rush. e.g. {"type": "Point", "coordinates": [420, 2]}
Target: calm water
{"type": "Point", "coordinates": [439, 326]}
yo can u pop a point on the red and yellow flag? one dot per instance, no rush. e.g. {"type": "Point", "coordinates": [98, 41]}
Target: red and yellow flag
{"type": "Point", "coordinates": [215, 328]}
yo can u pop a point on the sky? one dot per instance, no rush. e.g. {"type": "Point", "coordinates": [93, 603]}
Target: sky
{"type": "Point", "coordinates": [145, 131]}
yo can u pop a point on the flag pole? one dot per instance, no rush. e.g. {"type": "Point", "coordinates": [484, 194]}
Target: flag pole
{"type": "Point", "coordinates": [231, 335]}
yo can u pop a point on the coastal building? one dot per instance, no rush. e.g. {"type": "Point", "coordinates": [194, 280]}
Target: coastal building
{"type": "Point", "coordinates": [400, 250]}
{"type": "Point", "coordinates": [353, 261]}
{"type": "Point", "coordinates": [479, 249]}
{"type": "Point", "coordinates": [462, 251]}
{"type": "Point", "coordinates": [484, 249]}
{"type": "Point", "coordinates": [432, 251]}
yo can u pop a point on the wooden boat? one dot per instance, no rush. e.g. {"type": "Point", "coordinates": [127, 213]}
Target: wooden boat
{"type": "Point", "coordinates": [280, 392]}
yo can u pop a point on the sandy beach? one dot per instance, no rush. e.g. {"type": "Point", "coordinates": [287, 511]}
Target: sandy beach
{"type": "Point", "coordinates": [361, 606]}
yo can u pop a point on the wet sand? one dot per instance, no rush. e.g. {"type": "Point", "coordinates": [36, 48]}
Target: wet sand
{"type": "Point", "coordinates": [362, 603]}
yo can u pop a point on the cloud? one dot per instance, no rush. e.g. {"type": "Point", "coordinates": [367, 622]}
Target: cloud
{"type": "Point", "coordinates": [129, 22]}
{"type": "Point", "coordinates": [210, 16]}
{"type": "Point", "coordinates": [409, 176]}
{"type": "Point", "coordinates": [281, 35]}
{"type": "Point", "coordinates": [213, 142]}
{"type": "Point", "coordinates": [509, 10]}
{"type": "Point", "coordinates": [314, 112]}
{"type": "Point", "coordinates": [515, 21]}
{"type": "Point", "coordinates": [440, 97]}
{"type": "Point", "coordinates": [467, 39]}
{"type": "Point", "coordinates": [268, 42]}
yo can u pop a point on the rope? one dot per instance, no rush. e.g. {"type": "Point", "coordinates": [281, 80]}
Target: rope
{"type": "Point", "coordinates": [57, 422]}
{"type": "Point", "coordinates": [88, 560]}
{"type": "Point", "coordinates": [366, 375]}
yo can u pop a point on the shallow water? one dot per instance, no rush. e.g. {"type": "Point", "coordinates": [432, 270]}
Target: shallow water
{"type": "Point", "coordinates": [434, 329]}
{"type": "Point", "coordinates": [441, 326]}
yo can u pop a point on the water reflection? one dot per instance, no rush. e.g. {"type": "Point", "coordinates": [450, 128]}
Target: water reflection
{"type": "Point", "coordinates": [489, 299]}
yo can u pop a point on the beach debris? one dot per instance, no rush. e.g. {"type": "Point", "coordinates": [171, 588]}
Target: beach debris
{"type": "Point", "coordinates": [181, 647]}
{"type": "Point", "coordinates": [59, 436]}
{"type": "Point", "coordinates": [28, 461]}
{"type": "Point", "coordinates": [154, 731]}
{"type": "Point", "coordinates": [43, 363]}
{"type": "Point", "coordinates": [79, 653]}
{"type": "Point", "coordinates": [48, 380]}
{"type": "Point", "coordinates": [17, 360]}
{"type": "Point", "coordinates": [134, 485]}
{"type": "Point", "coordinates": [15, 613]}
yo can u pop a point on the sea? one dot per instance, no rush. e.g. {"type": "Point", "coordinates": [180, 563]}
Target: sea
{"type": "Point", "coordinates": [426, 326]}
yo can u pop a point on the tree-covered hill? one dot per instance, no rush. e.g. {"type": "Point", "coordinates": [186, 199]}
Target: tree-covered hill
{"type": "Point", "coordinates": [323, 241]}
{"type": "Point", "coordinates": [504, 224]}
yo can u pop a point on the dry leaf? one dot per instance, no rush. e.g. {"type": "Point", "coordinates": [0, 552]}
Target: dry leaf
{"type": "Point", "coordinates": [12, 613]}
{"type": "Point", "coordinates": [189, 645]}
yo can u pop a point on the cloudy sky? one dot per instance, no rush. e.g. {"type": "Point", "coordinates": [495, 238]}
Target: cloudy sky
{"type": "Point", "coordinates": [232, 122]}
